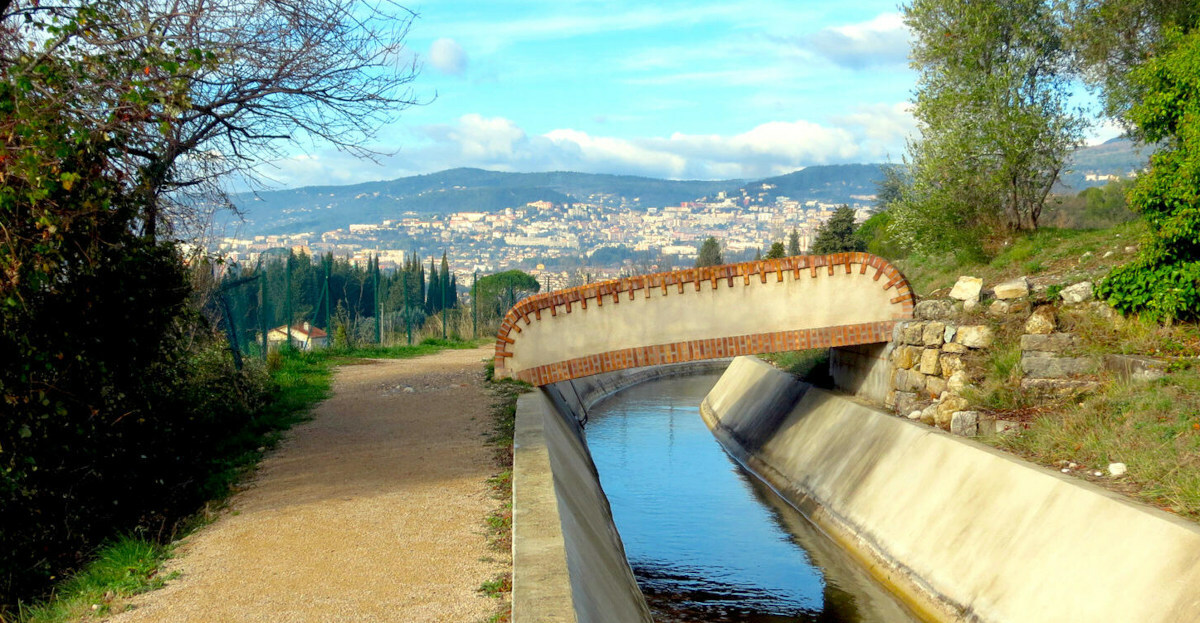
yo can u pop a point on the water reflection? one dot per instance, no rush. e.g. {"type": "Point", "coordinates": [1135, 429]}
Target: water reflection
{"type": "Point", "coordinates": [707, 541]}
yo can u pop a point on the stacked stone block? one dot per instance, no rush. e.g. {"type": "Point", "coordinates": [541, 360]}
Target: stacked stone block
{"type": "Point", "coordinates": [929, 372]}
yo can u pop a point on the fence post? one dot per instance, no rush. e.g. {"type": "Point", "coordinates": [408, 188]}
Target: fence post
{"type": "Point", "coordinates": [262, 308]}
{"type": "Point", "coordinates": [378, 314]}
{"type": "Point", "coordinates": [288, 303]}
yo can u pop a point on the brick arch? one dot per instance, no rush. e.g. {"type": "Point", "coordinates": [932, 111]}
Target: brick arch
{"type": "Point", "coordinates": [793, 303]}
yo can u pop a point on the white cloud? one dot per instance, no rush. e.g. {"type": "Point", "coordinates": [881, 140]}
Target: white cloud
{"type": "Point", "coordinates": [869, 134]}
{"type": "Point", "coordinates": [448, 57]}
{"type": "Point", "coordinates": [883, 129]}
{"type": "Point", "coordinates": [880, 41]}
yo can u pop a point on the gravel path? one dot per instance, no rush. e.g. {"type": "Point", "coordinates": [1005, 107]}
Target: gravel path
{"type": "Point", "coordinates": [372, 511]}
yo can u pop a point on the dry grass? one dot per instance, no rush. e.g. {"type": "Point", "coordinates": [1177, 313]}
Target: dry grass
{"type": "Point", "coordinates": [1066, 255]}
{"type": "Point", "coordinates": [1154, 428]}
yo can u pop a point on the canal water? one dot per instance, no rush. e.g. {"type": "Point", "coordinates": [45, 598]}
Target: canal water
{"type": "Point", "coordinates": [707, 540]}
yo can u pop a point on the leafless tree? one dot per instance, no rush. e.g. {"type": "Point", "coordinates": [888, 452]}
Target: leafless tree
{"type": "Point", "coordinates": [200, 90]}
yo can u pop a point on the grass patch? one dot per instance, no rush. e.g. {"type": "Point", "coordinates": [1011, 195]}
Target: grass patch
{"type": "Point", "coordinates": [1132, 336]}
{"type": "Point", "coordinates": [121, 569]}
{"type": "Point", "coordinates": [1154, 428]}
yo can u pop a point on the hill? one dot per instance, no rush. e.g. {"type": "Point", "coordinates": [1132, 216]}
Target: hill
{"type": "Point", "coordinates": [837, 183]}
{"type": "Point", "coordinates": [324, 208]}
{"type": "Point", "coordinates": [1118, 156]}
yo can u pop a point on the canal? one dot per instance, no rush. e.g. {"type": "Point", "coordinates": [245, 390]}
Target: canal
{"type": "Point", "coordinates": [707, 541]}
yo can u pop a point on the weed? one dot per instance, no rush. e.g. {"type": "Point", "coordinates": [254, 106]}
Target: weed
{"type": "Point", "coordinates": [498, 587]}
{"type": "Point", "coordinates": [811, 365]}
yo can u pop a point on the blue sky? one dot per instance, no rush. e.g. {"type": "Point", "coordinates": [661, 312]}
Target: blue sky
{"type": "Point", "coordinates": [682, 90]}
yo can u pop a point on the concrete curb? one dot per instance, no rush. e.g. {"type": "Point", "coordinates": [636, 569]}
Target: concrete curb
{"type": "Point", "coordinates": [568, 560]}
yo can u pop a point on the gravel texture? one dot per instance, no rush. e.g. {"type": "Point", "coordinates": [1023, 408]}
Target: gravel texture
{"type": "Point", "coordinates": [372, 511]}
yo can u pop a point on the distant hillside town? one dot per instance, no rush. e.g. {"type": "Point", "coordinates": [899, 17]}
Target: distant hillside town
{"type": "Point", "coordinates": [567, 228]}
{"type": "Point", "coordinates": [566, 242]}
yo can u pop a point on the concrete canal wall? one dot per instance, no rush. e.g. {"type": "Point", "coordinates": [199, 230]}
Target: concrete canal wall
{"type": "Point", "coordinates": [568, 560]}
{"type": "Point", "coordinates": [965, 532]}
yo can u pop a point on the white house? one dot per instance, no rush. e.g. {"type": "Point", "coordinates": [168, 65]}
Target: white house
{"type": "Point", "coordinates": [304, 337]}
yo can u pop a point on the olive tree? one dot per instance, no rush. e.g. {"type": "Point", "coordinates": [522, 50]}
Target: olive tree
{"type": "Point", "coordinates": [991, 105]}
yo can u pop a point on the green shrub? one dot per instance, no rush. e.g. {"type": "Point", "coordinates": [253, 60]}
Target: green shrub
{"type": "Point", "coordinates": [1164, 281]}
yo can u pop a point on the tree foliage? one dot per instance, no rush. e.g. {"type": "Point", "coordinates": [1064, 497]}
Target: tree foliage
{"type": "Point", "coordinates": [1110, 38]}
{"type": "Point", "coordinates": [1164, 280]}
{"type": "Point", "coordinates": [496, 294]}
{"type": "Point", "coordinates": [991, 105]}
{"type": "Point", "coordinates": [793, 243]}
{"type": "Point", "coordinates": [836, 235]}
{"type": "Point", "coordinates": [709, 253]}
{"type": "Point", "coordinates": [195, 90]}
{"type": "Point", "coordinates": [776, 251]}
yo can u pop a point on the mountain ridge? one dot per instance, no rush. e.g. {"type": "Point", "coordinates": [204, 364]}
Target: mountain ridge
{"type": "Point", "coordinates": [466, 189]}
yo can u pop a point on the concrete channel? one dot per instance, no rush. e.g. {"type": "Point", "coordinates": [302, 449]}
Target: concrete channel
{"type": "Point", "coordinates": [961, 531]}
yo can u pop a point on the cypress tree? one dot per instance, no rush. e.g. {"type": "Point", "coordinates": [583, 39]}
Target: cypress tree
{"type": "Point", "coordinates": [433, 295]}
{"type": "Point", "coordinates": [793, 247]}
{"type": "Point", "coordinates": [447, 295]}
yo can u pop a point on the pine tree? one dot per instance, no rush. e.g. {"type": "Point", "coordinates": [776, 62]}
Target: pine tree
{"type": "Point", "coordinates": [793, 247]}
{"type": "Point", "coordinates": [837, 234]}
{"type": "Point", "coordinates": [777, 251]}
{"type": "Point", "coordinates": [709, 254]}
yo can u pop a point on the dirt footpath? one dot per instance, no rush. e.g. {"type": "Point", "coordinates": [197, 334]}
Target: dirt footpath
{"type": "Point", "coordinates": [373, 511]}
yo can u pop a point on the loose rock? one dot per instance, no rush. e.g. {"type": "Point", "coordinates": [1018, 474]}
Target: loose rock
{"type": "Point", "coordinates": [965, 423]}
{"type": "Point", "coordinates": [1015, 289]}
{"type": "Point", "coordinates": [1078, 293]}
{"type": "Point", "coordinates": [950, 404]}
{"type": "Point", "coordinates": [1117, 469]}
{"type": "Point", "coordinates": [976, 336]}
{"type": "Point", "coordinates": [1042, 321]}
{"type": "Point", "coordinates": [967, 288]}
